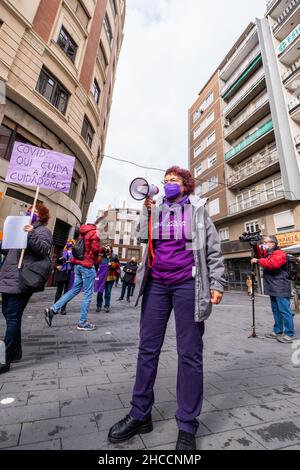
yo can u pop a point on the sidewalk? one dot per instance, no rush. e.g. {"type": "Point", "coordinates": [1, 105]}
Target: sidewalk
{"type": "Point", "coordinates": [72, 386]}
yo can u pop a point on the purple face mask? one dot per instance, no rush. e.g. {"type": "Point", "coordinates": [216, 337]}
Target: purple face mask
{"type": "Point", "coordinates": [34, 217]}
{"type": "Point", "coordinates": [172, 191]}
{"type": "Point", "coordinates": [69, 245]}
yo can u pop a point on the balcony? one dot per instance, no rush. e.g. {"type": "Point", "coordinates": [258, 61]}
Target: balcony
{"type": "Point", "coordinates": [251, 89]}
{"type": "Point", "coordinates": [294, 108]}
{"type": "Point", "coordinates": [282, 27]}
{"type": "Point", "coordinates": [297, 141]}
{"type": "Point", "coordinates": [256, 168]}
{"type": "Point", "coordinates": [254, 142]}
{"type": "Point", "coordinates": [259, 199]}
{"type": "Point", "coordinates": [242, 68]}
{"type": "Point", "coordinates": [288, 49]}
{"type": "Point", "coordinates": [290, 75]}
{"type": "Point", "coordinates": [254, 113]}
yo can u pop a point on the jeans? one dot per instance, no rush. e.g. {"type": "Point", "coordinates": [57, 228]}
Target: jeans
{"type": "Point", "coordinates": [283, 316]}
{"type": "Point", "coordinates": [158, 302]}
{"type": "Point", "coordinates": [84, 278]}
{"type": "Point", "coordinates": [13, 306]}
{"type": "Point", "coordinates": [107, 295]}
{"type": "Point", "coordinates": [128, 286]}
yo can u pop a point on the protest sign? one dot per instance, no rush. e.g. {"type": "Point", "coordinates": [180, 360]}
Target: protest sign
{"type": "Point", "coordinates": [39, 167]}
{"type": "Point", "coordinates": [14, 236]}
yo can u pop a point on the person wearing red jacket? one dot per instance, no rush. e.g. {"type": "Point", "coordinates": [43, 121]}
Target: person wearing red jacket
{"type": "Point", "coordinates": [277, 285]}
{"type": "Point", "coordinates": [85, 275]}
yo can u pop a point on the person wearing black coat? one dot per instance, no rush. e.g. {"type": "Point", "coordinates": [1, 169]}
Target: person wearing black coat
{"type": "Point", "coordinates": [128, 280]}
{"type": "Point", "coordinates": [14, 301]}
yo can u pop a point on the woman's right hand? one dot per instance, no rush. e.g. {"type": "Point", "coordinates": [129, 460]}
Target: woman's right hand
{"type": "Point", "coordinates": [149, 203]}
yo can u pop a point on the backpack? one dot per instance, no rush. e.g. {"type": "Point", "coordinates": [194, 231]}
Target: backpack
{"type": "Point", "coordinates": [293, 266]}
{"type": "Point", "coordinates": [78, 249]}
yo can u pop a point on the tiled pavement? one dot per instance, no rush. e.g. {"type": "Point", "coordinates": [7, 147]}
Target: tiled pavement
{"type": "Point", "coordinates": [72, 386]}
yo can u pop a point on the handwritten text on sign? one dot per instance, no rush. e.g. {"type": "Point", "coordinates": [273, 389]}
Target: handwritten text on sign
{"type": "Point", "coordinates": [35, 166]}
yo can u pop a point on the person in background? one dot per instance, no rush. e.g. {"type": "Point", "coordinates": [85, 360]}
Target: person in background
{"type": "Point", "coordinates": [85, 274]}
{"type": "Point", "coordinates": [14, 301]}
{"type": "Point", "coordinates": [112, 276]}
{"type": "Point", "coordinates": [63, 272]}
{"type": "Point", "coordinates": [277, 285]}
{"type": "Point", "coordinates": [100, 280]}
{"type": "Point", "coordinates": [128, 280]}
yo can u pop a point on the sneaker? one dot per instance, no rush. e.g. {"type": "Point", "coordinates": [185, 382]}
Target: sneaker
{"type": "Point", "coordinates": [273, 335]}
{"type": "Point", "coordinates": [49, 314]}
{"type": "Point", "coordinates": [106, 309]}
{"type": "Point", "coordinates": [98, 309]}
{"type": "Point", "coordinates": [63, 312]}
{"type": "Point", "coordinates": [286, 339]}
{"type": "Point", "coordinates": [86, 326]}
{"type": "Point", "coordinates": [120, 299]}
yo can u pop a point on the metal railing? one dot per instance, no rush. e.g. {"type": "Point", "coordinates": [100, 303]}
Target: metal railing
{"type": "Point", "coordinates": [239, 70]}
{"type": "Point", "coordinates": [258, 162]}
{"type": "Point", "coordinates": [251, 110]}
{"type": "Point", "coordinates": [253, 137]}
{"type": "Point", "coordinates": [270, 3]}
{"type": "Point", "coordinates": [293, 104]}
{"type": "Point", "coordinates": [258, 199]}
{"type": "Point", "coordinates": [291, 70]}
{"type": "Point", "coordinates": [250, 85]}
{"type": "Point", "coordinates": [285, 14]}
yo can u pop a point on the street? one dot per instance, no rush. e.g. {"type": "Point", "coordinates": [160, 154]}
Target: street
{"type": "Point", "coordinates": [71, 386]}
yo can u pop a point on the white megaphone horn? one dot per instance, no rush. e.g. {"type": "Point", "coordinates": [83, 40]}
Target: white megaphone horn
{"type": "Point", "coordinates": [140, 189]}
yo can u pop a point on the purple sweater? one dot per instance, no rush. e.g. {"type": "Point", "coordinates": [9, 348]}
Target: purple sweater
{"type": "Point", "coordinates": [173, 262]}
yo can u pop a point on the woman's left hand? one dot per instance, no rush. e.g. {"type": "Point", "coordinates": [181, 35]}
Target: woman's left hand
{"type": "Point", "coordinates": [28, 228]}
{"type": "Point", "coordinates": [215, 297]}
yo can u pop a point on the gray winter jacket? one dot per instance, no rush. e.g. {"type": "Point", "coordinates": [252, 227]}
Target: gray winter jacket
{"type": "Point", "coordinates": [39, 244]}
{"type": "Point", "coordinates": [209, 264]}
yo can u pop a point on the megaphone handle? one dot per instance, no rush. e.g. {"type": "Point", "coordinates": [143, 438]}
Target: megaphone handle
{"type": "Point", "coordinates": [151, 255]}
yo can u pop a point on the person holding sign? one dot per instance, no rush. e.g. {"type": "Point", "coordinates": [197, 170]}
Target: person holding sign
{"type": "Point", "coordinates": [14, 298]}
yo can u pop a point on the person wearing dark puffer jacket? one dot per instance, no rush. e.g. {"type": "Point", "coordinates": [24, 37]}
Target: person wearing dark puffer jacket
{"type": "Point", "coordinates": [277, 285]}
{"type": "Point", "coordinates": [14, 301]}
{"type": "Point", "coordinates": [85, 275]}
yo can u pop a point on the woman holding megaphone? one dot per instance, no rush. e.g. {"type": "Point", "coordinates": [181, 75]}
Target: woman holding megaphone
{"type": "Point", "coordinates": [182, 270]}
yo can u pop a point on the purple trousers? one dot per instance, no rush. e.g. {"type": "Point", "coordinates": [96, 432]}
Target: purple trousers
{"type": "Point", "coordinates": [158, 302]}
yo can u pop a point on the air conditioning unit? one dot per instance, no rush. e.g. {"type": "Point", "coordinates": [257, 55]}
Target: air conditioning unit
{"type": "Point", "coordinates": [226, 123]}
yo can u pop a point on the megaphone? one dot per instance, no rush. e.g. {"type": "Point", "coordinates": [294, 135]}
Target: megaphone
{"type": "Point", "coordinates": [140, 189]}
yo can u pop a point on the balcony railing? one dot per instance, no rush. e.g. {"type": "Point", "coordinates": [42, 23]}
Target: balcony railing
{"type": "Point", "coordinates": [267, 127]}
{"type": "Point", "coordinates": [257, 163]}
{"type": "Point", "coordinates": [297, 140]}
{"type": "Point", "coordinates": [250, 111]}
{"type": "Point", "coordinates": [294, 68]}
{"type": "Point", "coordinates": [293, 104]}
{"type": "Point", "coordinates": [290, 39]}
{"type": "Point", "coordinates": [270, 3]}
{"type": "Point", "coordinates": [250, 85]}
{"type": "Point", "coordinates": [258, 199]}
{"type": "Point", "coordinates": [239, 70]}
{"type": "Point", "coordinates": [285, 14]}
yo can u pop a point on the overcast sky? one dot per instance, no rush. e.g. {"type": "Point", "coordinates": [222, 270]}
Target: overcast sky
{"type": "Point", "coordinates": [170, 49]}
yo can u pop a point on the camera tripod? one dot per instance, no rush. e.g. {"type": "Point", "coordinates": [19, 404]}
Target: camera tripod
{"type": "Point", "coordinates": [253, 334]}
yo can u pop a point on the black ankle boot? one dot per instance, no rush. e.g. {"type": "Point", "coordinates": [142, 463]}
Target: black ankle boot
{"type": "Point", "coordinates": [127, 428]}
{"type": "Point", "coordinates": [16, 356]}
{"type": "Point", "coordinates": [186, 441]}
{"type": "Point", "coordinates": [4, 368]}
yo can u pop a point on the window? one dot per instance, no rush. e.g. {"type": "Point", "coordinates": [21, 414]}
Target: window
{"type": "Point", "coordinates": [224, 234]}
{"type": "Point", "coordinates": [252, 226]}
{"type": "Point", "coordinates": [197, 132]}
{"type": "Point", "coordinates": [67, 44]}
{"type": "Point", "coordinates": [102, 57]}
{"type": "Point", "coordinates": [198, 170]}
{"type": "Point", "coordinates": [284, 221]}
{"type": "Point", "coordinates": [212, 160]}
{"type": "Point", "coordinates": [196, 115]}
{"type": "Point", "coordinates": [107, 28]}
{"type": "Point", "coordinates": [210, 119]}
{"type": "Point", "coordinates": [113, 7]}
{"type": "Point", "coordinates": [96, 91]}
{"type": "Point", "coordinates": [212, 182]}
{"type": "Point", "coordinates": [87, 131]}
{"type": "Point", "coordinates": [6, 136]}
{"type": "Point", "coordinates": [198, 190]}
{"type": "Point", "coordinates": [211, 139]}
{"type": "Point", "coordinates": [80, 11]}
{"type": "Point", "coordinates": [52, 90]}
{"type": "Point", "coordinates": [214, 207]}
{"type": "Point", "coordinates": [73, 189]}
{"type": "Point", "coordinates": [82, 198]}
{"type": "Point", "coordinates": [197, 151]}
{"type": "Point", "coordinates": [208, 100]}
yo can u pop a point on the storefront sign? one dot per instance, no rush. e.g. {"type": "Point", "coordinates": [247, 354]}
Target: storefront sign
{"type": "Point", "coordinates": [288, 40]}
{"type": "Point", "coordinates": [39, 167]}
{"type": "Point", "coordinates": [288, 239]}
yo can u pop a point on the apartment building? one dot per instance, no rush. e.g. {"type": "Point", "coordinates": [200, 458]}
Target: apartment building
{"type": "Point", "coordinates": [118, 227]}
{"type": "Point", "coordinates": [58, 62]}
